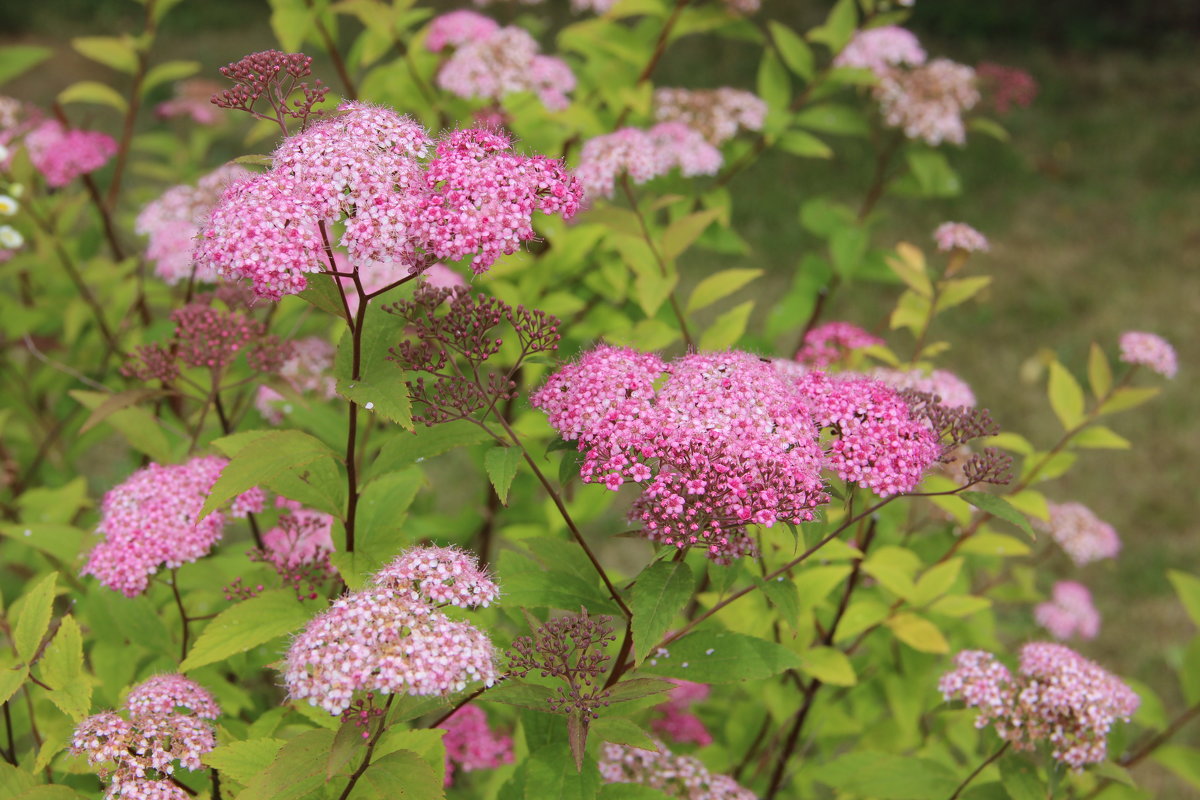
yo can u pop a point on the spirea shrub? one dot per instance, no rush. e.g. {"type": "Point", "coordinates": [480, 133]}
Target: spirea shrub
{"type": "Point", "coordinates": [416, 452]}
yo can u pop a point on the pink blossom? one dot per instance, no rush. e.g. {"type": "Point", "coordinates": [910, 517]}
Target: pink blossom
{"type": "Point", "coordinates": [1006, 87]}
{"type": "Point", "coordinates": [1069, 612]}
{"type": "Point", "coordinates": [879, 49]}
{"type": "Point", "coordinates": [458, 28]}
{"type": "Point", "coordinates": [676, 776]}
{"type": "Point", "coordinates": [952, 391]}
{"type": "Point", "coordinates": [471, 744]}
{"type": "Point", "coordinates": [927, 102]}
{"type": "Point", "coordinates": [506, 61]}
{"type": "Point", "coordinates": [1080, 533]}
{"type": "Point", "coordinates": [441, 576]}
{"type": "Point", "coordinates": [193, 98]}
{"type": "Point", "coordinates": [603, 159]}
{"type": "Point", "coordinates": [677, 722]}
{"type": "Point", "coordinates": [832, 342]}
{"type": "Point", "coordinates": [1150, 351]}
{"type": "Point", "coordinates": [303, 538]}
{"type": "Point", "coordinates": [165, 694]}
{"type": "Point", "coordinates": [680, 146]}
{"type": "Point", "coordinates": [717, 114]}
{"type": "Point", "coordinates": [149, 523]}
{"type": "Point", "coordinates": [62, 155]}
{"type": "Point", "coordinates": [1057, 697]}
{"type": "Point", "coordinates": [959, 236]}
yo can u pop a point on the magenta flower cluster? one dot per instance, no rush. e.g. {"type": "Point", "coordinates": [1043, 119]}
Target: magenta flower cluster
{"type": "Point", "coordinates": [393, 637]}
{"type": "Point", "coordinates": [676, 776]}
{"type": "Point", "coordinates": [832, 342]}
{"type": "Point", "coordinates": [471, 744]}
{"type": "Point", "coordinates": [370, 169]}
{"type": "Point", "coordinates": [149, 523]}
{"type": "Point", "coordinates": [166, 724]}
{"type": "Point", "coordinates": [62, 155]}
{"type": "Point", "coordinates": [1057, 697]}
{"type": "Point", "coordinates": [677, 722]}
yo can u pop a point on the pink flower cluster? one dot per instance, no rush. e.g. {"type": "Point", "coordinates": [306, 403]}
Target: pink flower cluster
{"type": "Point", "coordinates": [1080, 533]}
{"type": "Point", "coordinates": [952, 391]}
{"type": "Point", "coordinates": [876, 441]}
{"type": "Point", "coordinates": [193, 98]}
{"type": "Point", "coordinates": [716, 114]}
{"type": "Point", "coordinates": [643, 155]}
{"type": "Point", "coordinates": [927, 102]}
{"type": "Point", "coordinates": [149, 523]}
{"type": "Point", "coordinates": [366, 167]}
{"type": "Point", "coordinates": [952, 236]}
{"type": "Point", "coordinates": [677, 722]}
{"type": "Point", "coordinates": [471, 744]}
{"type": "Point", "coordinates": [393, 636]}
{"type": "Point", "coordinates": [1069, 612]}
{"type": "Point", "coordinates": [598, 6]}
{"type": "Point", "coordinates": [489, 61]}
{"type": "Point", "coordinates": [307, 371]}
{"type": "Point", "coordinates": [1006, 86]}
{"type": "Point", "coordinates": [299, 547]}
{"type": "Point", "coordinates": [1149, 351]}
{"type": "Point", "coordinates": [62, 155]}
{"type": "Point", "coordinates": [1057, 696]}
{"type": "Point", "coordinates": [880, 49]}
{"type": "Point", "coordinates": [166, 724]}
{"type": "Point", "coordinates": [173, 220]}
{"type": "Point", "coordinates": [677, 776]}
{"type": "Point", "coordinates": [724, 443]}
{"type": "Point", "coordinates": [833, 342]}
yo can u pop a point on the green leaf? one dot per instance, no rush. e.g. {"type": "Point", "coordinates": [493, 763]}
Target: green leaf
{"type": "Point", "coordinates": [402, 775]}
{"type": "Point", "coordinates": [833, 118]}
{"type": "Point", "coordinates": [956, 292]}
{"type": "Point", "coordinates": [795, 51]}
{"type": "Point", "coordinates": [32, 614]}
{"type": "Point", "coordinates": [681, 233]}
{"type": "Point", "coordinates": [1099, 372]}
{"type": "Point", "coordinates": [377, 531]}
{"type": "Point", "coordinates": [168, 71]}
{"type": "Point", "coordinates": [839, 26]}
{"type": "Point", "coordinates": [1066, 396]}
{"type": "Point", "coordinates": [1183, 761]}
{"type": "Point", "coordinates": [1128, 397]}
{"type": "Point", "coordinates": [292, 22]}
{"type": "Point", "coordinates": [247, 625]}
{"type": "Point", "coordinates": [16, 59]}
{"type": "Point", "coordinates": [721, 657]}
{"type": "Point", "coordinates": [661, 591]}
{"type": "Point", "coordinates": [620, 730]}
{"type": "Point", "coordinates": [404, 448]}
{"type": "Point", "coordinates": [322, 292]}
{"type": "Point", "coordinates": [989, 127]}
{"type": "Point", "coordinates": [804, 144]}
{"type": "Point", "coordinates": [501, 464]}
{"type": "Point", "coordinates": [918, 633]}
{"type": "Point", "coordinates": [887, 776]}
{"type": "Point", "coordinates": [652, 286]}
{"type": "Point", "coordinates": [114, 52]}
{"type": "Point", "coordinates": [630, 791]}
{"type": "Point", "coordinates": [936, 581]}
{"type": "Point", "coordinates": [60, 541]}
{"type": "Point", "coordinates": [988, 543]}
{"type": "Point", "coordinates": [933, 173]}
{"type": "Point", "coordinates": [14, 781]}
{"type": "Point", "coordinates": [551, 773]}
{"type": "Point", "coordinates": [138, 425]}
{"type": "Point", "coordinates": [1013, 442]}
{"type": "Point", "coordinates": [116, 402]}
{"type": "Point", "coordinates": [380, 387]}
{"type": "Point", "coordinates": [959, 605]}
{"type": "Point", "coordinates": [11, 679]}
{"type": "Point", "coordinates": [1020, 779]}
{"type": "Point", "coordinates": [828, 665]}
{"type": "Point", "coordinates": [727, 328]}
{"type": "Point", "coordinates": [1187, 587]}
{"type": "Point", "coordinates": [718, 286]}
{"type": "Point", "coordinates": [1000, 508]}
{"type": "Point", "coordinates": [774, 85]}
{"type": "Point", "coordinates": [519, 693]}
{"type": "Point", "coordinates": [61, 668]}
{"type": "Point", "coordinates": [1099, 437]}
{"type": "Point", "coordinates": [243, 760]}
{"type": "Point", "coordinates": [264, 458]}
{"type": "Point", "coordinates": [296, 772]}
{"type": "Point", "coordinates": [385, 393]}
{"type": "Point", "coordinates": [427, 743]}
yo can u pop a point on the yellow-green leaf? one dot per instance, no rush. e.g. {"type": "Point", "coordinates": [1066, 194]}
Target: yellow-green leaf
{"type": "Point", "coordinates": [909, 265]}
{"type": "Point", "coordinates": [246, 625]}
{"type": "Point", "coordinates": [168, 71]}
{"type": "Point", "coordinates": [1066, 396]}
{"type": "Point", "coordinates": [918, 633]}
{"type": "Point", "coordinates": [93, 92]}
{"type": "Point", "coordinates": [501, 464]}
{"type": "Point", "coordinates": [727, 328]}
{"type": "Point", "coordinates": [1099, 372]}
{"type": "Point", "coordinates": [936, 581]}
{"type": "Point", "coordinates": [32, 614]}
{"type": "Point", "coordinates": [1099, 437]}
{"type": "Point", "coordinates": [115, 52]}
{"type": "Point", "coordinates": [829, 665]}
{"type": "Point", "coordinates": [954, 292]}
{"type": "Point", "coordinates": [718, 286]}
{"type": "Point", "coordinates": [681, 233]}
{"type": "Point", "coordinates": [1127, 398]}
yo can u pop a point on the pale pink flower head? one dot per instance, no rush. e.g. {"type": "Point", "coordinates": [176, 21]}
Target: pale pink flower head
{"type": "Point", "coordinates": [1080, 533]}
{"type": "Point", "coordinates": [1069, 612]}
{"type": "Point", "coordinates": [193, 98]}
{"type": "Point", "coordinates": [173, 220]}
{"type": "Point", "coordinates": [951, 390]}
{"type": "Point", "coordinates": [952, 236]}
{"type": "Point", "coordinates": [303, 538]}
{"type": "Point", "coordinates": [833, 342]}
{"type": "Point", "coordinates": [166, 694]}
{"type": "Point", "coordinates": [439, 276]}
{"type": "Point", "coordinates": [927, 102]}
{"type": "Point", "coordinates": [880, 49]}
{"type": "Point", "coordinates": [439, 575]}
{"type": "Point", "coordinates": [458, 28]}
{"type": "Point", "coordinates": [743, 8]}
{"type": "Point", "coordinates": [717, 114]}
{"type": "Point", "coordinates": [981, 682]}
{"type": "Point", "coordinates": [149, 522]}
{"type": "Point", "coordinates": [309, 368]}
{"type": "Point", "coordinates": [1151, 351]}
{"type": "Point", "coordinates": [603, 159]}
{"type": "Point", "coordinates": [471, 744]}
{"type": "Point", "coordinates": [505, 61]}
{"type": "Point", "coordinates": [876, 441]}
{"type": "Point", "coordinates": [62, 155]}
{"type": "Point", "coordinates": [597, 6]}
{"type": "Point", "coordinates": [677, 776]}
{"type": "Point", "coordinates": [680, 146]}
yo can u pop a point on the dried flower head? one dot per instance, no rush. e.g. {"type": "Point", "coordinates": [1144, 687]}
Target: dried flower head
{"type": "Point", "coordinates": [1069, 612]}
{"type": "Point", "coordinates": [676, 776]}
{"type": "Point", "coordinates": [1080, 533]}
{"type": "Point", "coordinates": [571, 649]}
{"type": "Point", "coordinates": [1151, 351]}
{"type": "Point", "coordinates": [274, 76]}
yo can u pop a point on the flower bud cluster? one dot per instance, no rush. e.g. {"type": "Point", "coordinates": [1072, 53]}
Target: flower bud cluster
{"type": "Point", "coordinates": [275, 76]}
{"type": "Point", "coordinates": [570, 648]}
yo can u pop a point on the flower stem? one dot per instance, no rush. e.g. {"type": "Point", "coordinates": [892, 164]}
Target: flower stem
{"type": "Point", "coordinates": [182, 613]}
{"type": "Point", "coordinates": [366, 760]}
{"type": "Point", "coordinates": [966, 782]}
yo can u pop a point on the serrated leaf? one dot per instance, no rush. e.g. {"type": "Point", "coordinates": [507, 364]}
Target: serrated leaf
{"type": "Point", "coordinates": [501, 464]}
{"type": "Point", "coordinates": [551, 773]}
{"type": "Point", "coordinates": [405, 449]}
{"type": "Point", "coordinates": [631, 689]}
{"type": "Point", "coordinates": [727, 328]}
{"type": "Point", "coordinates": [620, 730]}
{"type": "Point", "coordinates": [1000, 508]}
{"type": "Point", "coordinates": [60, 541]}
{"type": "Point", "coordinates": [427, 743]}
{"type": "Point", "coordinates": [245, 759]}
{"type": "Point", "coordinates": [660, 593]}
{"type": "Point", "coordinates": [1066, 396]}
{"type": "Point", "coordinates": [33, 616]}
{"type": "Point", "coordinates": [828, 665]}
{"type": "Point", "coordinates": [718, 286]}
{"type": "Point", "coordinates": [402, 775]}
{"type": "Point", "coordinates": [321, 291]}
{"type": "Point", "coordinates": [887, 776]}
{"type": "Point", "coordinates": [918, 633]}
{"type": "Point", "coordinates": [16, 59]}
{"type": "Point", "coordinates": [377, 530]}
{"type": "Point", "coordinates": [246, 625]}
{"type": "Point", "coordinates": [114, 52]}
{"type": "Point", "coordinates": [261, 460]}
{"type": "Point", "coordinates": [61, 668]}
{"type": "Point", "coordinates": [721, 657]}
{"type": "Point", "coordinates": [138, 425]}
{"type": "Point", "coordinates": [681, 233]}
{"type": "Point", "coordinates": [385, 394]}
{"type": "Point", "coordinates": [519, 693]}
{"type": "Point", "coordinates": [11, 679]}
{"type": "Point", "coordinates": [1099, 372]}
{"type": "Point", "coordinates": [296, 771]}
